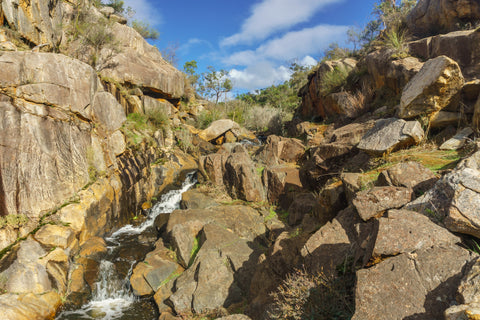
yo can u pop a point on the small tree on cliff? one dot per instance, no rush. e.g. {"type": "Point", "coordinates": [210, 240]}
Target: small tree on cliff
{"type": "Point", "coordinates": [215, 83]}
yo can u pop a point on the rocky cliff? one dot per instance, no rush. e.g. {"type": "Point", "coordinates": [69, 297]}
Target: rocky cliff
{"type": "Point", "coordinates": [374, 202]}
{"type": "Point", "coordinates": [65, 156]}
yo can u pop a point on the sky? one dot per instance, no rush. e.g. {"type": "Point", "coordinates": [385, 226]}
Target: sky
{"type": "Point", "coordinates": [255, 41]}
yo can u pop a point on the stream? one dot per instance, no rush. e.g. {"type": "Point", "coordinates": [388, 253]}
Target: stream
{"type": "Point", "coordinates": [112, 298]}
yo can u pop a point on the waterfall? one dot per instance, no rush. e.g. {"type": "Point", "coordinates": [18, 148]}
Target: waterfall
{"type": "Point", "coordinates": [112, 298]}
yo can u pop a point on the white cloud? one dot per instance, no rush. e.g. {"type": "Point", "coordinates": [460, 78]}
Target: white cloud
{"type": "Point", "coordinates": [271, 16]}
{"type": "Point", "coordinates": [292, 45]}
{"type": "Point", "coordinates": [145, 11]}
{"type": "Point", "coordinates": [308, 61]}
{"type": "Point", "coordinates": [259, 75]}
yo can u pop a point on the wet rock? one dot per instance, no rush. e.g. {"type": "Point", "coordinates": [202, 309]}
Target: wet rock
{"type": "Point", "coordinates": [55, 236]}
{"type": "Point", "coordinates": [415, 230]}
{"type": "Point", "coordinates": [432, 88]}
{"type": "Point", "coordinates": [457, 141]}
{"type": "Point", "coordinates": [409, 175]}
{"type": "Point", "coordinates": [374, 202]}
{"type": "Point", "coordinates": [389, 135]}
{"type": "Point", "coordinates": [440, 16]}
{"type": "Point", "coordinates": [154, 271]}
{"type": "Point", "coordinates": [425, 282]}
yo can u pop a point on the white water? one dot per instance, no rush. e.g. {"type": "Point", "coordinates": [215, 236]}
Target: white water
{"type": "Point", "coordinates": [111, 297]}
{"type": "Point", "coordinates": [168, 202]}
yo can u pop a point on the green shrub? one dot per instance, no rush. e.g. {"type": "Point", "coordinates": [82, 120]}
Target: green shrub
{"type": "Point", "coordinates": [305, 296]}
{"type": "Point", "coordinates": [397, 41]}
{"type": "Point", "coordinates": [158, 118]}
{"type": "Point", "coordinates": [91, 38]}
{"type": "Point", "coordinates": [145, 30]}
{"type": "Point", "coordinates": [334, 80]}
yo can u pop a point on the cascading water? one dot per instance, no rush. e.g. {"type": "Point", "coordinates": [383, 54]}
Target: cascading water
{"type": "Point", "coordinates": [112, 299]}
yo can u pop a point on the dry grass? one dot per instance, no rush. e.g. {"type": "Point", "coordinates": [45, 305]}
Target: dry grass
{"type": "Point", "coordinates": [426, 154]}
{"type": "Point", "coordinates": [313, 296]}
{"type": "Point", "coordinates": [218, 193]}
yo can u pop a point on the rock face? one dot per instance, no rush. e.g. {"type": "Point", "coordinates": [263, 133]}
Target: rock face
{"type": "Point", "coordinates": [440, 16]}
{"type": "Point", "coordinates": [461, 46]}
{"type": "Point", "coordinates": [432, 88]}
{"type": "Point", "coordinates": [425, 282]}
{"type": "Point", "coordinates": [38, 21]}
{"type": "Point", "coordinates": [391, 134]}
{"type": "Point", "coordinates": [313, 102]}
{"type": "Point", "coordinates": [393, 74]}
{"type": "Point", "coordinates": [34, 121]}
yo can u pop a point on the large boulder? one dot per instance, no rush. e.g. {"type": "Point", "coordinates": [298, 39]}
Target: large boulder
{"type": "Point", "coordinates": [461, 46]}
{"type": "Point", "coordinates": [140, 64]}
{"type": "Point", "coordinates": [219, 274]}
{"type": "Point", "coordinates": [342, 140]}
{"type": "Point", "coordinates": [278, 150]}
{"type": "Point", "coordinates": [415, 230]}
{"type": "Point", "coordinates": [29, 306]}
{"type": "Point", "coordinates": [335, 242]}
{"type": "Point", "coordinates": [374, 202]}
{"type": "Point", "coordinates": [155, 270]}
{"type": "Point", "coordinates": [391, 73]}
{"type": "Point", "coordinates": [432, 88]}
{"type": "Point", "coordinates": [221, 127]}
{"type": "Point", "coordinates": [184, 226]}
{"type": "Point", "coordinates": [410, 175]}
{"type": "Point", "coordinates": [425, 282]}
{"type": "Point", "coordinates": [454, 198]}
{"type": "Point", "coordinates": [389, 135]}
{"type": "Point", "coordinates": [241, 178]}
{"type": "Point", "coordinates": [430, 17]}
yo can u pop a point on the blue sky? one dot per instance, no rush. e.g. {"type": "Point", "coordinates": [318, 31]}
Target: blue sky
{"type": "Point", "coordinates": [254, 40]}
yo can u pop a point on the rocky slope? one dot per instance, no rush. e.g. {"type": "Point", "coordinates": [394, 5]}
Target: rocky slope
{"type": "Point", "coordinates": [371, 214]}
